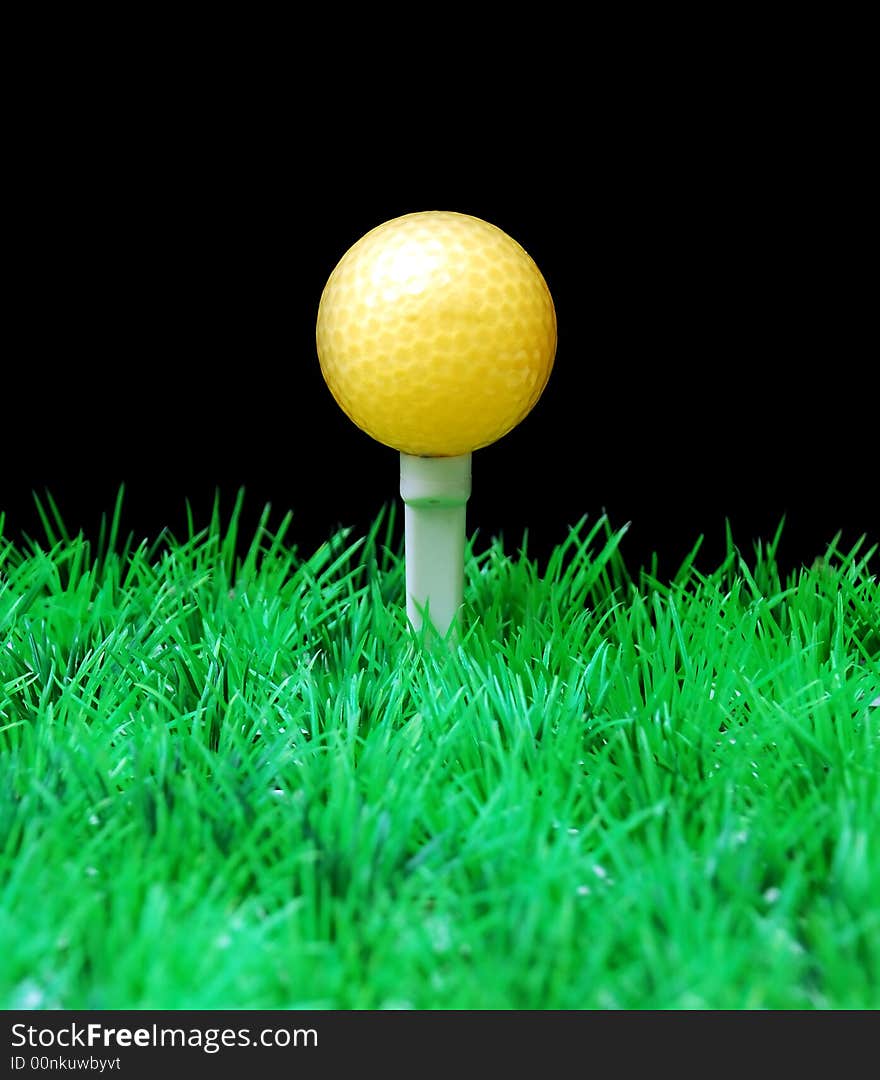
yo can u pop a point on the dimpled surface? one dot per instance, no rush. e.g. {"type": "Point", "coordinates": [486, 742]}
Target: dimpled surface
{"type": "Point", "coordinates": [436, 333]}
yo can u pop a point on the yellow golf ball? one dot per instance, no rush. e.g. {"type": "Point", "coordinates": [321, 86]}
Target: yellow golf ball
{"type": "Point", "coordinates": [436, 333]}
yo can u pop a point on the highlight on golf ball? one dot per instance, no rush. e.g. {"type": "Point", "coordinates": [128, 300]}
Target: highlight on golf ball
{"type": "Point", "coordinates": [436, 333]}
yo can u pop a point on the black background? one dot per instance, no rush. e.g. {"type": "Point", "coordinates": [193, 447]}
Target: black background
{"type": "Point", "coordinates": [702, 242]}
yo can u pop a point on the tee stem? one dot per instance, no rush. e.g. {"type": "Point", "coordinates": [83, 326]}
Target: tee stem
{"type": "Point", "coordinates": [435, 491]}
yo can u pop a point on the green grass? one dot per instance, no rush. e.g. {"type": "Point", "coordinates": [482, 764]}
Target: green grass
{"type": "Point", "coordinates": [233, 778]}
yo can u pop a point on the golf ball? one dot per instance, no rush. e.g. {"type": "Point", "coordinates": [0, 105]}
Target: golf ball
{"type": "Point", "coordinates": [436, 333]}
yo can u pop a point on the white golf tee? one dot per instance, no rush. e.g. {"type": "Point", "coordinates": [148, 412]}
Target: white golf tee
{"type": "Point", "coordinates": [435, 491]}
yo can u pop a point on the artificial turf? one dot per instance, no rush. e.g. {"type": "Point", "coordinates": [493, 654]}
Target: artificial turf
{"type": "Point", "coordinates": [233, 778]}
